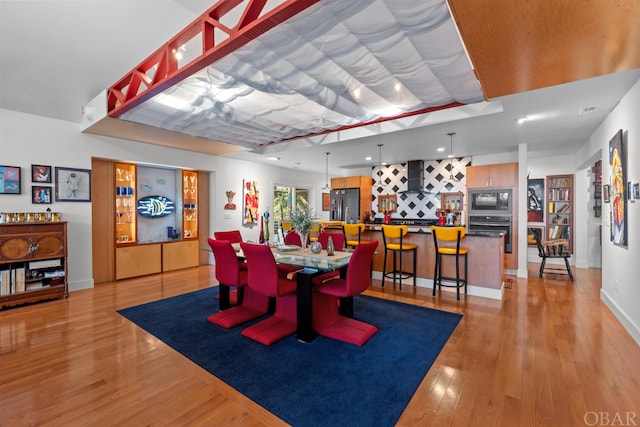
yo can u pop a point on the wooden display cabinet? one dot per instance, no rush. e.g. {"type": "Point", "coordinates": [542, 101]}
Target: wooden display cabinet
{"type": "Point", "coordinates": [190, 204]}
{"type": "Point", "coordinates": [33, 262]}
{"type": "Point", "coordinates": [125, 203]}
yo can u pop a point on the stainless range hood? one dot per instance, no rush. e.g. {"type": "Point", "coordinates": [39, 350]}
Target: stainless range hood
{"type": "Point", "coordinates": [415, 175]}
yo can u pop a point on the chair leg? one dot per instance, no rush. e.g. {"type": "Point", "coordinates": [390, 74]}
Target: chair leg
{"type": "Point", "coordinates": [401, 272]}
{"type": "Point", "coordinates": [458, 277]}
{"type": "Point", "coordinates": [415, 266]}
{"type": "Point", "coordinates": [384, 266]}
{"type": "Point", "coordinates": [544, 260]}
{"type": "Point", "coordinates": [566, 262]}
{"type": "Point", "coordinates": [435, 275]}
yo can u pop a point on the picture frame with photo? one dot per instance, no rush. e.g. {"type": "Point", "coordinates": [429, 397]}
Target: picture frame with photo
{"type": "Point", "coordinates": [40, 195]}
{"type": "Point", "coordinates": [73, 185]}
{"type": "Point", "coordinates": [606, 193]}
{"type": "Point", "coordinates": [41, 173]}
{"type": "Point", "coordinates": [10, 180]}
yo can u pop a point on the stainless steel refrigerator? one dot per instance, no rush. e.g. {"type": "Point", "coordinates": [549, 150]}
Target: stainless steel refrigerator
{"type": "Point", "coordinates": [345, 205]}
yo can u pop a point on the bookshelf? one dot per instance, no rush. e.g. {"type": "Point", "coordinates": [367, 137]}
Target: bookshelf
{"type": "Point", "coordinates": [597, 189]}
{"type": "Point", "coordinates": [560, 208]}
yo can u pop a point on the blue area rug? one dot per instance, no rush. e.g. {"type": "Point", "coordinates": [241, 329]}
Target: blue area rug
{"type": "Point", "coordinates": [323, 383]}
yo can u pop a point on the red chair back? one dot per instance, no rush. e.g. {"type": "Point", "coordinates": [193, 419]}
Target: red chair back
{"type": "Point", "coordinates": [359, 269]}
{"type": "Point", "coordinates": [233, 236]}
{"type": "Point", "coordinates": [263, 272]}
{"type": "Point", "coordinates": [337, 238]}
{"type": "Point", "coordinates": [293, 238]}
{"type": "Point", "coordinates": [227, 263]}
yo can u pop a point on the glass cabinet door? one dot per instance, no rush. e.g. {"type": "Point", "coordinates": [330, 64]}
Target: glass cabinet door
{"type": "Point", "coordinates": [125, 201]}
{"type": "Point", "coordinates": [190, 204]}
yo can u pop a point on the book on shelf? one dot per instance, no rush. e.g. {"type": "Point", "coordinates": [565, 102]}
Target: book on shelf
{"type": "Point", "coordinates": [5, 283]}
{"type": "Point", "coordinates": [45, 263]}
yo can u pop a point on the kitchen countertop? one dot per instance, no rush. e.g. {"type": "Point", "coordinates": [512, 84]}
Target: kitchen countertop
{"type": "Point", "coordinates": [427, 230]}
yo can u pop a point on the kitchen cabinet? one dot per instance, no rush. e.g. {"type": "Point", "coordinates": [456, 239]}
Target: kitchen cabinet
{"type": "Point", "coordinates": [33, 262]}
{"type": "Point", "coordinates": [363, 183]}
{"type": "Point", "coordinates": [502, 175]}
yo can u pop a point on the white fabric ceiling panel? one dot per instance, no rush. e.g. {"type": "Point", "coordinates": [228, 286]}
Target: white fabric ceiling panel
{"type": "Point", "coordinates": [338, 63]}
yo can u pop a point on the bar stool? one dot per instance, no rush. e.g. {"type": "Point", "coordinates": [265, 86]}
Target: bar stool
{"type": "Point", "coordinates": [353, 234]}
{"type": "Point", "coordinates": [449, 234]}
{"type": "Point", "coordinates": [392, 238]}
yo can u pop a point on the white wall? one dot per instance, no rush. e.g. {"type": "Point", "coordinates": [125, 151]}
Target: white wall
{"type": "Point", "coordinates": [26, 139]}
{"type": "Point", "coordinates": [620, 286]}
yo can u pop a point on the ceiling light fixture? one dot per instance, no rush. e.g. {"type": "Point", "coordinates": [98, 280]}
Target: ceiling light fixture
{"type": "Point", "coordinates": [451, 177]}
{"type": "Point", "coordinates": [326, 176]}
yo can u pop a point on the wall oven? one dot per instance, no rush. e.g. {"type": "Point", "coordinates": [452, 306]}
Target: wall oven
{"type": "Point", "coordinates": [493, 223]}
{"type": "Point", "coordinates": [490, 201]}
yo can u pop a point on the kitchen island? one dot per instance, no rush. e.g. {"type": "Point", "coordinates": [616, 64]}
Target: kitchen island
{"type": "Point", "coordinates": [486, 260]}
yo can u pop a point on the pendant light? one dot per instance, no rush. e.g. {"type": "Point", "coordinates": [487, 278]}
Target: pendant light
{"type": "Point", "coordinates": [326, 174]}
{"type": "Point", "coordinates": [381, 183]}
{"type": "Point", "coordinates": [451, 177]}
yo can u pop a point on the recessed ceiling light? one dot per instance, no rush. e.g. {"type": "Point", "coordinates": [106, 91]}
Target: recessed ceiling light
{"type": "Point", "coordinates": [274, 158]}
{"type": "Point", "coordinates": [439, 149]}
{"type": "Point", "coordinates": [368, 158]}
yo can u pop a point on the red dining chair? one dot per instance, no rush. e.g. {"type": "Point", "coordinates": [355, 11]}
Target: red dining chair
{"type": "Point", "coordinates": [293, 238]}
{"type": "Point", "coordinates": [230, 272]}
{"type": "Point", "coordinates": [233, 236]}
{"type": "Point", "coordinates": [264, 279]}
{"type": "Point", "coordinates": [327, 321]}
{"type": "Point", "coordinates": [337, 238]}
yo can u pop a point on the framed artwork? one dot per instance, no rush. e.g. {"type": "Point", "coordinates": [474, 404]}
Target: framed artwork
{"type": "Point", "coordinates": [73, 185]}
{"type": "Point", "coordinates": [635, 190]}
{"type": "Point", "coordinates": [10, 180]}
{"type": "Point", "coordinates": [40, 195]}
{"type": "Point", "coordinates": [618, 190]}
{"type": "Point", "coordinates": [535, 196]}
{"type": "Point", "coordinates": [326, 201]}
{"type": "Point", "coordinates": [530, 236]}
{"type": "Point", "coordinates": [251, 198]}
{"type": "Point", "coordinates": [606, 193]}
{"type": "Point", "coordinates": [41, 173]}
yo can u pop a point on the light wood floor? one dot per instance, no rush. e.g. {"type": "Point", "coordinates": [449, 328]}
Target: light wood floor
{"type": "Point", "coordinates": [549, 354]}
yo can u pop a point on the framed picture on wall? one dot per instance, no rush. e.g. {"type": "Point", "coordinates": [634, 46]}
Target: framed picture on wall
{"type": "Point", "coordinates": [10, 180]}
{"type": "Point", "coordinates": [41, 173]}
{"type": "Point", "coordinates": [40, 195]}
{"type": "Point", "coordinates": [326, 201]}
{"type": "Point", "coordinates": [73, 185]}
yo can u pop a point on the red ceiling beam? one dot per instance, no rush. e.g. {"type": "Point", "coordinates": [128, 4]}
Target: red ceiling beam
{"type": "Point", "coordinates": [137, 86]}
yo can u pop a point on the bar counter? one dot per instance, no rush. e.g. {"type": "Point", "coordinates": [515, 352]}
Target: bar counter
{"type": "Point", "coordinates": [486, 260]}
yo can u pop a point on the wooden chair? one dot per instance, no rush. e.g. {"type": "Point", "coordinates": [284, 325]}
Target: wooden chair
{"type": "Point", "coordinates": [552, 249]}
{"type": "Point", "coordinates": [449, 234]}
{"type": "Point", "coordinates": [233, 236]}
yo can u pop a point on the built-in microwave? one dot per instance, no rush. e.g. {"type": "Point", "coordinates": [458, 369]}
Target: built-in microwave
{"type": "Point", "coordinates": [490, 201]}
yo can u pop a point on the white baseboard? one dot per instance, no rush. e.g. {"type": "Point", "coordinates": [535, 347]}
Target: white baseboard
{"type": "Point", "coordinates": [627, 323]}
{"type": "Point", "coordinates": [478, 291]}
{"type": "Point", "coordinates": [80, 285]}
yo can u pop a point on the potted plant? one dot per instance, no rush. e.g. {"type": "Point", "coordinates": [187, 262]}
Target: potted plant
{"type": "Point", "coordinates": [303, 222]}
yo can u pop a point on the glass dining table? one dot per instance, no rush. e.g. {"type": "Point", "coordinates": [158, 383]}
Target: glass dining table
{"type": "Point", "coordinates": [311, 265]}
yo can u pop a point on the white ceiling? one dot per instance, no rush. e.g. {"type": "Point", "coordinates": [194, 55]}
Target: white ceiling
{"type": "Point", "coordinates": [57, 55]}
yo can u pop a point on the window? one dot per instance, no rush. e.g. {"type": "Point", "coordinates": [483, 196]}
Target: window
{"type": "Point", "coordinates": [286, 199]}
